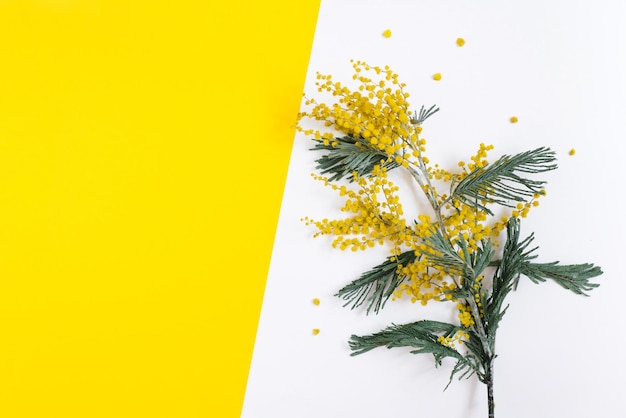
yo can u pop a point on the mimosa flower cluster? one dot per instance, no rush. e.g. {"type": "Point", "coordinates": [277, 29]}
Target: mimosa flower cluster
{"type": "Point", "coordinates": [377, 114]}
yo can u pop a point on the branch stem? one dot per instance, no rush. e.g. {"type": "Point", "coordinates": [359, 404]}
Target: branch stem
{"type": "Point", "coordinates": [489, 378]}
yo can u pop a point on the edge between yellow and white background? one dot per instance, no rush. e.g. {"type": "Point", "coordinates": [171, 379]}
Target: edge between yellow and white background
{"type": "Point", "coordinates": [143, 152]}
{"type": "Point", "coordinates": [559, 67]}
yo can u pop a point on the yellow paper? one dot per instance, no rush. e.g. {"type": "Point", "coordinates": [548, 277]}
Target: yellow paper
{"type": "Point", "coordinates": [143, 149]}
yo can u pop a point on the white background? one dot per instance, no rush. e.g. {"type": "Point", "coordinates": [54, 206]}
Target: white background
{"type": "Point", "coordinates": [560, 67]}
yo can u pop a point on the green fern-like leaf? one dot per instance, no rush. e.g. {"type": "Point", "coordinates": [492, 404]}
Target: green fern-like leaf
{"type": "Point", "coordinates": [444, 255]}
{"type": "Point", "coordinates": [502, 181]}
{"type": "Point", "coordinates": [505, 278]}
{"type": "Point", "coordinates": [377, 285]}
{"type": "Point", "coordinates": [517, 261]}
{"type": "Point", "coordinates": [441, 253]}
{"type": "Point", "coordinates": [422, 337]}
{"type": "Point", "coordinates": [424, 114]}
{"type": "Point", "coordinates": [346, 158]}
{"type": "Point", "coordinates": [573, 277]}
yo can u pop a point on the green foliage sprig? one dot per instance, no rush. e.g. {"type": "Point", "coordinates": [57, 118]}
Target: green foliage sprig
{"type": "Point", "coordinates": [348, 157]}
{"type": "Point", "coordinates": [501, 182]}
{"type": "Point", "coordinates": [443, 255]}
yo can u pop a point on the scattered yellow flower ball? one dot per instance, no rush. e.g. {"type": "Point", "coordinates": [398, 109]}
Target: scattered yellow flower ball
{"type": "Point", "coordinates": [460, 41]}
{"type": "Point", "coordinates": [437, 76]}
{"type": "Point", "coordinates": [387, 33]}
{"type": "Point", "coordinates": [572, 151]}
{"type": "Point", "coordinates": [513, 119]}
{"type": "Point", "coordinates": [316, 302]}
{"type": "Point", "coordinates": [316, 331]}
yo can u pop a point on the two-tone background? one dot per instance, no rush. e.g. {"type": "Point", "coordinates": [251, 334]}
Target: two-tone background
{"type": "Point", "coordinates": [144, 154]}
{"type": "Point", "coordinates": [559, 68]}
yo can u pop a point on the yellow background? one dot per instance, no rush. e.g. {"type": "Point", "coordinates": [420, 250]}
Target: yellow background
{"type": "Point", "coordinates": [143, 151]}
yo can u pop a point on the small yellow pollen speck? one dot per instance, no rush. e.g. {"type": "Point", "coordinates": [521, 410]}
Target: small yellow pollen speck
{"type": "Point", "coordinates": [316, 331]}
{"type": "Point", "coordinates": [316, 302]}
{"type": "Point", "coordinates": [437, 76]}
{"type": "Point", "coordinates": [387, 33]}
{"type": "Point", "coordinates": [513, 119]}
{"type": "Point", "coordinates": [572, 151]}
{"type": "Point", "coordinates": [460, 41]}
